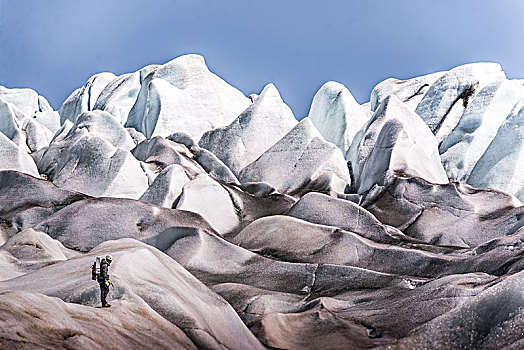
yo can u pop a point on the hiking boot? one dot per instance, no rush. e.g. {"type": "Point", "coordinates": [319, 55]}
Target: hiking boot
{"type": "Point", "coordinates": [106, 305]}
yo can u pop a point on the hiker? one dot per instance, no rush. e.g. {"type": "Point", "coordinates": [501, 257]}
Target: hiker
{"type": "Point", "coordinates": [103, 279]}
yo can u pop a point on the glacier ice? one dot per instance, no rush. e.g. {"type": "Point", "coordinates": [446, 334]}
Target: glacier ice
{"type": "Point", "coordinates": [84, 98]}
{"type": "Point", "coordinates": [232, 225]}
{"type": "Point", "coordinates": [95, 167]}
{"type": "Point", "coordinates": [298, 160]}
{"type": "Point", "coordinates": [446, 99]}
{"type": "Point", "coordinates": [26, 101]}
{"type": "Point", "coordinates": [119, 95]}
{"type": "Point", "coordinates": [183, 95]}
{"type": "Point", "coordinates": [336, 114]}
{"type": "Point", "coordinates": [410, 91]}
{"type": "Point", "coordinates": [464, 146]}
{"type": "Point", "coordinates": [394, 141]}
{"type": "Point", "coordinates": [217, 208]}
{"type": "Point", "coordinates": [241, 142]}
{"type": "Point", "coordinates": [166, 187]}
{"type": "Point", "coordinates": [13, 157]}
{"type": "Point", "coordinates": [25, 132]}
{"type": "Point", "coordinates": [502, 165]}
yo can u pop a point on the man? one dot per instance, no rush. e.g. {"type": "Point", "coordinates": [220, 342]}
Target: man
{"type": "Point", "coordinates": [103, 279]}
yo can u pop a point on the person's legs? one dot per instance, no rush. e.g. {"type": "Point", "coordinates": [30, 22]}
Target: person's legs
{"type": "Point", "coordinates": [103, 293]}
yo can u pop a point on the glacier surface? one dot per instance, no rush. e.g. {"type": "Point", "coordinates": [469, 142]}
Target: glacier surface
{"type": "Point", "coordinates": [397, 223]}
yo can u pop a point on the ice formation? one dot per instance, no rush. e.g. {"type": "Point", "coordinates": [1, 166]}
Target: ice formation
{"type": "Point", "coordinates": [234, 226]}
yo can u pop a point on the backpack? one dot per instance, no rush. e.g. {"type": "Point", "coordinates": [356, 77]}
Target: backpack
{"type": "Point", "coordinates": [95, 269]}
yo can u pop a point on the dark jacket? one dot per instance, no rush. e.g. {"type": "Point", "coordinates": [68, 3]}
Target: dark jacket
{"type": "Point", "coordinates": [104, 271]}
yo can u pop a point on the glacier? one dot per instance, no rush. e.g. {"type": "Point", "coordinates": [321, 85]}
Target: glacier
{"type": "Point", "coordinates": [397, 223]}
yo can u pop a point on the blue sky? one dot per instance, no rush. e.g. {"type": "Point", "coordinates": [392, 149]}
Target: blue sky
{"type": "Point", "coordinates": [55, 46]}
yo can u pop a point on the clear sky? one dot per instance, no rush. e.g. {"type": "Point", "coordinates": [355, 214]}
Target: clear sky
{"type": "Point", "coordinates": [55, 46]}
